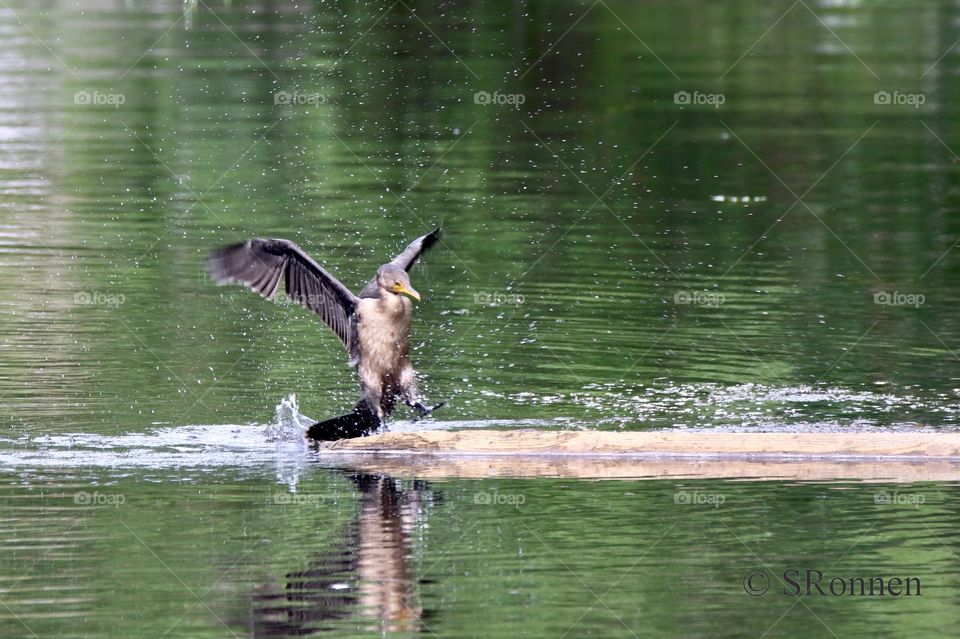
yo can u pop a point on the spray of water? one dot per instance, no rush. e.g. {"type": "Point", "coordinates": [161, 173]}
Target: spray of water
{"type": "Point", "coordinates": [290, 424]}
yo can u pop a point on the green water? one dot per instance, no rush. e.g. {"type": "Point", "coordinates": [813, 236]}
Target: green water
{"type": "Point", "coordinates": [728, 215]}
{"type": "Point", "coordinates": [223, 553]}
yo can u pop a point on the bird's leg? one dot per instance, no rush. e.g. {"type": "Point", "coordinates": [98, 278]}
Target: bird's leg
{"type": "Point", "coordinates": [372, 395]}
{"type": "Point", "coordinates": [411, 393]}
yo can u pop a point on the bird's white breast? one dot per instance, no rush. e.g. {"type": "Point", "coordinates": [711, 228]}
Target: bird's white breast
{"type": "Point", "coordinates": [384, 331]}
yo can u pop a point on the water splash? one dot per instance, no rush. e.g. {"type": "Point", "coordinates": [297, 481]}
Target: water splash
{"type": "Point", "coordinates": [291, 425]}
{"type": "Point", "coordinates": [289, 432]}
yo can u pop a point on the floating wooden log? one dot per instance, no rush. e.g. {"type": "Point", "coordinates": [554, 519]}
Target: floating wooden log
{"type": "Point", "coordinates": [872, 456]}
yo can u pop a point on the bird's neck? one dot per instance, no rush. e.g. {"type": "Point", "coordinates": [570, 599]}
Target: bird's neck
{"type": "Point", "coordinates": [395, 304]}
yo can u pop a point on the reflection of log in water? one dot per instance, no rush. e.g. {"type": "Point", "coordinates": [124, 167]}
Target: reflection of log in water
{"type": "Point", "coordinates": [370, 577]}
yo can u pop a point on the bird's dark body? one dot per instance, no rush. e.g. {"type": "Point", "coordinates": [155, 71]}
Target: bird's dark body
{"type": "Point", "coordinates": [374, 327]}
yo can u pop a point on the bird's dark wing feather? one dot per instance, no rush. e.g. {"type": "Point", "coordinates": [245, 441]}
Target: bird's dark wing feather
{"type": "Point", "coordinates": [410, 254]}
{"type": "Point", "coordinates": [260, 264]}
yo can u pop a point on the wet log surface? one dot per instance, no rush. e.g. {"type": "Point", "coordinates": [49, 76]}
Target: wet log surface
{"type": "Point", "coordinates": [895, 456]}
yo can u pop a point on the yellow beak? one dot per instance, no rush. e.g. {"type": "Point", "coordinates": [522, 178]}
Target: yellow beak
{"type": "Point", "coordinates": [400, 288]}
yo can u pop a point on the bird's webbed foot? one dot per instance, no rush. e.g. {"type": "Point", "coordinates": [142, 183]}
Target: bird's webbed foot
{"type": "Point", "coordinates": [422, 410]}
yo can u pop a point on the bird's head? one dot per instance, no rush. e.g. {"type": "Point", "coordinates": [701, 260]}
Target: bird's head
{"type": "Point", "coordinates": [394, 280]}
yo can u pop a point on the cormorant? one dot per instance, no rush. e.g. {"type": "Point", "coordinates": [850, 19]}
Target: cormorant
{"type": "Point", "coordinates": [374, 326]}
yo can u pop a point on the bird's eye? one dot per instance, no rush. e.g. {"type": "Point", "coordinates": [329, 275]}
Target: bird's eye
{"type": "Point", "coordinates": [396, 283]}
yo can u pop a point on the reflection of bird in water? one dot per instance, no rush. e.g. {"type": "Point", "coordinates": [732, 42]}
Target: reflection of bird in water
{"type": "Point", "coordinates": [372, 572]}
{"type": "Point", "coordinates": [387, 585]}
{"type": "Point", "coordinates": [374, 327]}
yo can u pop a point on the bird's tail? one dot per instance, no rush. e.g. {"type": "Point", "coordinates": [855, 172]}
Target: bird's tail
{"type": "Point", "coordinates": [361, 421]}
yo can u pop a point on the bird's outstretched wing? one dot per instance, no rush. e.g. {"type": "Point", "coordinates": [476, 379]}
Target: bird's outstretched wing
{"type": "Point", "coordinates": [261, 264]}
{"type": "Point", "coordinates": [410, 254]}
